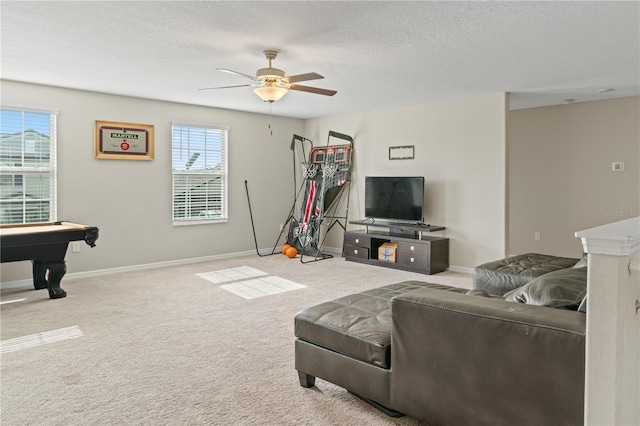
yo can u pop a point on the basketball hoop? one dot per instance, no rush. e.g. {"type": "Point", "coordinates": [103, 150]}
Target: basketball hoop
{"type": "Point", "coordinates": [309, 170]}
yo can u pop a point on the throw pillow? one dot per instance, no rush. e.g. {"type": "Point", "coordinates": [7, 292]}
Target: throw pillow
{"type": "Point", "coordinates": [564, 289]}
{"type": "Point", "coordinates": [582, 263]}
{"type": "Point", "coordinates": [583, 306]}
{"type": "Point", "coordinates": [482, 293]}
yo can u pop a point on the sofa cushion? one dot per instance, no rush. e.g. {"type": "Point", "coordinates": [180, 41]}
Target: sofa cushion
{"type": "Point", "coordinates": [501, 276]}
{"type": "Point", "coordinates": [357, 325]}
{"type": "Point", "coordinates": [559, 289]}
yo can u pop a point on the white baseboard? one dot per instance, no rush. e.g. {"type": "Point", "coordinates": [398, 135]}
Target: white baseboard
{"type": "Point", "coordinates": [334, 251]}
{"type": "Point", "coordinates": [17, 284]}
{"type": "Point", "coordinates": [28, 283]}
{"type": "Point", "coordinates": [462, 269]}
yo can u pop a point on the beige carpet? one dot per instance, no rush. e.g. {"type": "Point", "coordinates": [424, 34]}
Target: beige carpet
{"type": "Point", "coordinates": [169, 347]}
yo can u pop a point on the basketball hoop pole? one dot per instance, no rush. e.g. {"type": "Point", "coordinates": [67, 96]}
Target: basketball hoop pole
{"type": "Point", "coordinates": [253, 228]}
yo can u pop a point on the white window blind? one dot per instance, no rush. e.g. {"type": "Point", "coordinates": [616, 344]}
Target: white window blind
{"type": "Point", "coordinates": [27, 166]}
{"type": "Point", "coordinates": [199, 164]}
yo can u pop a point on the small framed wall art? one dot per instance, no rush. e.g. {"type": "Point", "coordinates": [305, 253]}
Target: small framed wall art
{"type": "Point", "coordinates": [401, 152]}
{"type": "Point", "coordinates": [123, 141]}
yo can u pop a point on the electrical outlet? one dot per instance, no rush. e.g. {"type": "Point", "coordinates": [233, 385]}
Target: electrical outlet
{"type": "Point", "coordinates": [617, 166]}
{"type": "Point", "coordinates": [75, 246]}
{"type": "Point", "coordinates": [536, 236]}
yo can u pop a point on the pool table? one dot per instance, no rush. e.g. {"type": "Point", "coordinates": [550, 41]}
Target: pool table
{"type": "Point", "coordinates": [45, 245]}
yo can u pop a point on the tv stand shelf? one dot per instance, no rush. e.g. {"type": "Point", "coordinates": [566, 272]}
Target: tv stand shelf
{"type": "Point", "coordinates": [402, 226]}
{"type": "Point", "coordinates": [415, 252]}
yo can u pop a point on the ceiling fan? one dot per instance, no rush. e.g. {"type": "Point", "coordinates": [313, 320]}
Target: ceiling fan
{"type": "Point", "coordinates": [271, 84]}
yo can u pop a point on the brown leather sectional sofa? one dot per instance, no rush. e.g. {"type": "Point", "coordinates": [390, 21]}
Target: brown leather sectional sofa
{"type": "Point", "coordinates": [450, 356]}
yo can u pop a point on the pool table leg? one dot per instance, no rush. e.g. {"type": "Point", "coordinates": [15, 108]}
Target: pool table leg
{"type": "Point", "coordinates": [52, 282]}
{"type": "Point", "coordinates": [39, 278]}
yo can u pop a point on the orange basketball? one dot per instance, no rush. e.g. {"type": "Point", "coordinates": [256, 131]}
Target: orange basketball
{"type": "Point", "coordinates": [285, 248]}
{"type": "Point", "coordinates": [291, 252]}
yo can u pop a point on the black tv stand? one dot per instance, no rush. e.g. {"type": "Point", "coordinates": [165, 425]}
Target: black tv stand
{"type": "Point", "coordinates": [415, 251]}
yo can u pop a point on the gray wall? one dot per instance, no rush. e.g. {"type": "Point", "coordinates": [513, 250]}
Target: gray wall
{"type": "Point", "coordinates": [130, 201]}
{"type": "Point", "coordinates": [492, 177]}
{"type": "Point", "coordinates": [460, 149]}
{"type": "Point", "coordinates": [560, 177]}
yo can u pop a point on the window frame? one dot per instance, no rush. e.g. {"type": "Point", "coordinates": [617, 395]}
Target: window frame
{"type": "Point", "coordinates": [20, 172]}
{"type": "Point", "coordinates": [224, 174]}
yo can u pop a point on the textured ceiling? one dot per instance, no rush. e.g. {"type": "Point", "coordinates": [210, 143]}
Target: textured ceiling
{"type": "Point", "coordinates": [377, 55]}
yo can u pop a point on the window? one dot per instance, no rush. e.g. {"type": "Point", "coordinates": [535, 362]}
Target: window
{"type": "Point", "coordinates": [27, 166]}
{"type": "Point", "coordinates": [199, 164]}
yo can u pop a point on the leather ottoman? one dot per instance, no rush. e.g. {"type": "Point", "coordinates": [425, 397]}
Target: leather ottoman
{"type": "Point", "coordinates": [347, 341]}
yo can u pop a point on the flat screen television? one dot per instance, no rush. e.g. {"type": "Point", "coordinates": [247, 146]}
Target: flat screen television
{"type": "Point", "coordinates": [398, 198]}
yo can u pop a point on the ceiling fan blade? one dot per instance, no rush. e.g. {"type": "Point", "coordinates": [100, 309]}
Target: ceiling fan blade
{"type": "Point", "coordinates": [303, 77]}
{"type": "Point", "coordinates": [230, 87]}
{"type": "Point", "coordinates": [313, 90]}
{"type": "Point", "coordinates": [238, 73]}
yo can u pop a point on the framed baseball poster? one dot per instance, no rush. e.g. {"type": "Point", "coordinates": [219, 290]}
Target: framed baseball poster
{"type": "Point", "coordinates": [123, 141]}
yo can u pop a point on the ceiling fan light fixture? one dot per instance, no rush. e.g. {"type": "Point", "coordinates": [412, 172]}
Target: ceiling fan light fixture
{"type": "Point", "coordinates": [271, 84]}
{"type": "Point", "coordinates": [270, 92]}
